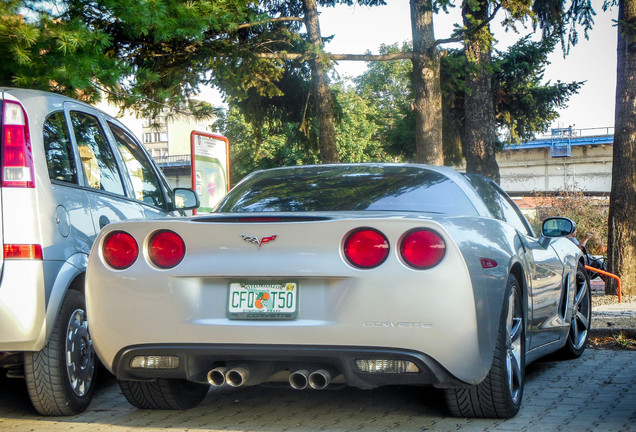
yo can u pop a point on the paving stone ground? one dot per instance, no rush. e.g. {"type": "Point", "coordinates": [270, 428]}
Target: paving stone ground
{"type": "Point", "coordinates": [596, 392]}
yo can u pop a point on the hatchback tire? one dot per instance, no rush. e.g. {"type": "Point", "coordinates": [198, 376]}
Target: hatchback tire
{"type": "Point", "coordinates": [61, 377]}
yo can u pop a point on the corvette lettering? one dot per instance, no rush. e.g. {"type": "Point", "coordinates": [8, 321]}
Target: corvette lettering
{"type": "Point", "coordinates": [258, 242]}
{"type": "Point", "coordinates": [400, 324]}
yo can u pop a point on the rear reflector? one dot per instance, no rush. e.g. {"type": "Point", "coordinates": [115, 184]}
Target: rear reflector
{"type": "Point", "coordinates": [366, 248]}
{"type": "Point", "coordinates": [488, 263]}
{"type": "Point", "coordinates": [17, 157]}
{"type": "Point", "coordinates": [154, 362]}
{"type": "Point", "coordinates": [386, 366]}
{"type": "Point", "coordinates": [22, 251]}
{"type": "Point", "coordinates": [120, 250]}
{"type": "Point", "coordinates": [166, 249]}
{"type": "Point", "coordinates": [422, 249]}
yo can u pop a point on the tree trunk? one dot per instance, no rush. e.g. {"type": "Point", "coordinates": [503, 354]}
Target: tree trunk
{"type": "Point", "coordinates": [479, 136]}
{"type": "Point", "coordinates": [622, 211]}
{"type": "Point", "coordinates": [320, 88]}
{"type": "Point", "coordinates": [426, 85]}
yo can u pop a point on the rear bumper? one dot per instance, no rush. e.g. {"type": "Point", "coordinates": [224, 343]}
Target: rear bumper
{"type": "Point", "coordinates": [22, 306]}
{"type": "Point", "coordinates": [195, 361]}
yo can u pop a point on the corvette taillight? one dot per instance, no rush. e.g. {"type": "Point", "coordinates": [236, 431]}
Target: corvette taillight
{"type": "Point", "coordinates": [366, 248]}
{"type": "Point", "coordinates": [166, 249]}
{"type": "Point", "coordinates": [422, 249]}
{"type": "Point", "coordinates": [17, 157]}
{"type": "Point", "coordinates": [120, 250]}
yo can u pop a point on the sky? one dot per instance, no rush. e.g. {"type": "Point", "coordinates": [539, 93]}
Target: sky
{"type": "Point", "coordinates": [358, 29]}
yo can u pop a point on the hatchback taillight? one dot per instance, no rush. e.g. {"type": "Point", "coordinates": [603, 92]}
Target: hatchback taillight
{"type": "Point", "coordinates": [166, 249]}
{"type": "Point", "coordinates": [366, 248]}
{"type": "Point", "coordinates": [422, 249]}
{"type": "Point", "coordinates": [17, 157]}
{"type": "Point", "coordinates": [120, 250]}
{"type": "Point", "coordinates": [23, 251]}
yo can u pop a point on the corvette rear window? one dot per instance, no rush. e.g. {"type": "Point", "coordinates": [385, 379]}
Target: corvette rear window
{"type": "Point", "coordinates": [348, 188]}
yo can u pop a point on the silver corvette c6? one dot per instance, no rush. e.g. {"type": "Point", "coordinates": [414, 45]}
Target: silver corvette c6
{"type": "Point", "coordinates": [361, 274]}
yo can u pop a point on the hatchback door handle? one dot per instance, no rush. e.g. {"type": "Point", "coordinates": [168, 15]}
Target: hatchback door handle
{"type": "Point", "coordinates": [103, 221]}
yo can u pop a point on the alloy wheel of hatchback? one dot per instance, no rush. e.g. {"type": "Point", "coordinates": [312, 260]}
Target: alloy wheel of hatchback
{"type": "Point", "coordinates": [80, 361]}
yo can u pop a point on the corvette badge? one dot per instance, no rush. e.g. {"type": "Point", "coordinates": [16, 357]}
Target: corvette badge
{"type": "Point", "coordinates": [258, 242]}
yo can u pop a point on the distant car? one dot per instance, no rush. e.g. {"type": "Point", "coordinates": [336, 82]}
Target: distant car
{"type": "Point", "coordinates": [67, 170]}
{"type": "Point", "coordinates": [363, 274]}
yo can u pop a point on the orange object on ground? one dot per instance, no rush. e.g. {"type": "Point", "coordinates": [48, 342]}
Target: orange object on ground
{"type": "Point", "coordinates": [607, 274]}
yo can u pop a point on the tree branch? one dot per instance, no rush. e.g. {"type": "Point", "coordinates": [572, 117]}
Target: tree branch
{"type": "Point", "coordinates": [448, 40]}
{"type": "Point", "coordinates": [269, 21]}
{"type": "Point", "coordinates": [346, 57]}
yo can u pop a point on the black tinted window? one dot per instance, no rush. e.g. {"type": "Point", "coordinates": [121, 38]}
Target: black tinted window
{"type": "Point", "coordinates": [58, 149]}
{"type": "Point", "coordinates": [97, 157]}
{"type": "Point", "coordinates": [349, 187]}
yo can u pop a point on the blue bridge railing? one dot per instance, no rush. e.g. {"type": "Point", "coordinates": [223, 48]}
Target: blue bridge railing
{"type": "Point", "coordinates": [561, 140]}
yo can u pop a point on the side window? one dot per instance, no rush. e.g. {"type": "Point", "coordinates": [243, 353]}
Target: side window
{"type": "Point", "coordinates": [97, 157]}
{"type": "Point", "coordinates": [58, 149]}
{"type": "Point", "coordinates": [498, 203]}
{"type": "Point", "coordinates": [145, 182]}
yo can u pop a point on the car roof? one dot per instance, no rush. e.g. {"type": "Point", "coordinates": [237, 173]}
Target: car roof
{"type": "Point", "coordinates": [42, 100]}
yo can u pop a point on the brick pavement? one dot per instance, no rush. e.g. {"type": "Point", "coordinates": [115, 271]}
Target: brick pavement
{"type": "Point", "coordinates": [594, 393]}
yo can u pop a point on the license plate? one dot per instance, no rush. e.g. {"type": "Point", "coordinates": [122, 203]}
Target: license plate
{"type": "Point", "coordinates": [266, 300]}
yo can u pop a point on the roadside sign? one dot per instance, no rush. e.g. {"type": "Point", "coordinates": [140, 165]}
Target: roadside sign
{"type": "Point", "coordinates": [210, 168]}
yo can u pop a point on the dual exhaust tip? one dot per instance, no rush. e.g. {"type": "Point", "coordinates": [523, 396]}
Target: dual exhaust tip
{"type": "Point", "coordinates": [317, 380]}
{"type": "Point", "coordinates": [235, 377]}
{"type": "Point", "coordinates": [240, 376]}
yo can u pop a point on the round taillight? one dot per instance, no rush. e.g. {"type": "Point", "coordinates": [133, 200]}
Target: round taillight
{"type": "Point", "coordinates": [422, 249]}
{"type": "Point", "coordinates": [366, 248]}
{"type": "Point", "coordinates": [166, 249]}
{"type": "Point", "coordinates": [120, 250]}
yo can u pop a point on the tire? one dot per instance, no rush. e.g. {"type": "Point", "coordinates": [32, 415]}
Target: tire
{"type": "Point", "coordinates": [164, 394]}
{"type": "Point", "coordinates": [581, 317]}
{"type": "Point", "coordinates": [61, 377]}
{"type": "Point", "coordinates": [499, 394]}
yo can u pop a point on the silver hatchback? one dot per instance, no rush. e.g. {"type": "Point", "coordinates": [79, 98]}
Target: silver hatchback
{"type": "Point", "coordinates": [67, 170]}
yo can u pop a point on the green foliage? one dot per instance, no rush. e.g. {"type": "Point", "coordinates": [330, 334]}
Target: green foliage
{"type": "Point", "coordinates": [254, 147]}
{"type": "Point", "coordinates": [559, 19]}
{"type": "Point", "coordinates": [387, 85]}
{"type": "Point", "coordinates": [589, 213]}
{"type": "Point", "coordinates": [356, 129]}
{"type": "Point", "coordinates": [285, 139]}
{"type": "Point", "coordinates": [523, 104]}
{"type": "Point", "coordinates": [46, 53]}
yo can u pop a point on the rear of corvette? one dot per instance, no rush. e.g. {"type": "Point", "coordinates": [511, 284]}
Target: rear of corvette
{"type": "Point", "coordinates": [371, 299]}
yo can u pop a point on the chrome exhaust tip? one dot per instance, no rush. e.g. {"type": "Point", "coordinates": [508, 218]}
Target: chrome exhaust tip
{"type": "Point", "coordinates": [237, 376]}
{"type": "Point", "coordinates": [299, 379]}
{"type": "Point", "coordinates": [216, 377]}
{"type": "Point", "coordinates": [319, 379]}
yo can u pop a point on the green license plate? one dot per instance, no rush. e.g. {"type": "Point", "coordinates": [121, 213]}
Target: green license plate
{"type": "Point", "coordinates": [262, 300]}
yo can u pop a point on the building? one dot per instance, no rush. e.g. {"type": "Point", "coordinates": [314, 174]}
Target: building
{"type": "Point", "coordinates": [576, 159]}
{"type": "Point", "coordinates": [167, 139]}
